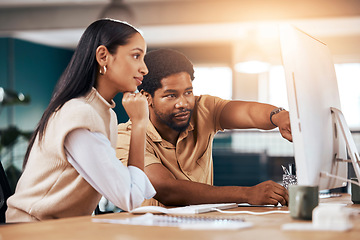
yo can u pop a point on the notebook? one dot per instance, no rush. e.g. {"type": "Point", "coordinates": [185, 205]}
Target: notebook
{"type": "Point", "coordinates": [191, 209]}
{"type": "Point", "coordinates": [193, 222]}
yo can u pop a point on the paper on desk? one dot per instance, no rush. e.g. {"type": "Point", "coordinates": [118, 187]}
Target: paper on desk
{"type": "Point", "coordinates": [190, 223]}
{"type": "Point", "coordinates": [254, 205]}
{"type": "Point", "coordinates": [216, 226]}
{"type": "Point", "coordinates": [191, 209]}
{"type": "Point", "coordinates": [312, 227]}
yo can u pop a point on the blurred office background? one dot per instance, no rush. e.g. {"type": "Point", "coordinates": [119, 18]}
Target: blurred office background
{"type": "Point", "coordinates": [233, 44]}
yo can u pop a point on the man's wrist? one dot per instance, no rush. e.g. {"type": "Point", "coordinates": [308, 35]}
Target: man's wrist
{"type": "Point", "coordinates": [274, 112]}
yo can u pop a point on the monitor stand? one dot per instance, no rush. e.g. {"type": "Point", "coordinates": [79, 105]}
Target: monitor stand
{"type": "Point", "coordinates": [350, 144]}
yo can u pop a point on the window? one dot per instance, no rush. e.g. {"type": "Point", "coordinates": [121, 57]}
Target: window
{"type": "Point", "coordinates": [215, 81]}
{"type": "Point", "coordinates": [277, 87]}
{"type": "Point", "coordinates": [348, 77]}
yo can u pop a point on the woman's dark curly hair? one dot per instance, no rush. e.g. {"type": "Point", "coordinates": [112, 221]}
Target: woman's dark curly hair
{"type": "Point", "coordinates": [162, 63]}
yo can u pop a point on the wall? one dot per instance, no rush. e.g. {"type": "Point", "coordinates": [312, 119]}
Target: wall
{"type": "Point", "coordinates": [32, 69]}
{"type": "Point", "coordinates": [3, 73]}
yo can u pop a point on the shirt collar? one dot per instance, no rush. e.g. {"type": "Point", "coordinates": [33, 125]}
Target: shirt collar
{"type": "Point", "coordinates": [94, 94]}
{"type": "Point", "coordinates": [155, 136]}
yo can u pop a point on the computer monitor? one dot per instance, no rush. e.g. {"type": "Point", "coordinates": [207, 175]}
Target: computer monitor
{"type": "Point", "coordinates": [320, 147]}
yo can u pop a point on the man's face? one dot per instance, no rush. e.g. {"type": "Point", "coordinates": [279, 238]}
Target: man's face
{"type": "Point", "coordinates": [173, 103]}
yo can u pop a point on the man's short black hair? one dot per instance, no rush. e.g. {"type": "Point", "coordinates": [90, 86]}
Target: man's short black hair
{"type": "Point", "coordinates": [162, 63]}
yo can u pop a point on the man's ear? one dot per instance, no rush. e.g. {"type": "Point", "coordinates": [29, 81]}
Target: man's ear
{"type": "Point", "coordinates": [148, 97]}
{"type": "Point", "coordinates": [102, 55]}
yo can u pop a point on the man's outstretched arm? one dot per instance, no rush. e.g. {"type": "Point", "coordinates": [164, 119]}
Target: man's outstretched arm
{"type": "Point", "coordinates": [173, 192]}
{"type": "Point", "coordinates": [243, 115]}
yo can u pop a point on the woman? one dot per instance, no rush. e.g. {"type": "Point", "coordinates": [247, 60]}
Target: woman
{"type": "Point", "coordinates": [70, 161]}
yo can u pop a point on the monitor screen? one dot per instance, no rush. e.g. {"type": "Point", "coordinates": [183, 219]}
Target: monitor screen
{"type": "Point", "coordinates": [312, 90]}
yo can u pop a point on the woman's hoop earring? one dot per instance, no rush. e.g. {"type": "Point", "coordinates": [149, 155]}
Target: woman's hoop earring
{"type": "Point", "coordinates": [102, 70]}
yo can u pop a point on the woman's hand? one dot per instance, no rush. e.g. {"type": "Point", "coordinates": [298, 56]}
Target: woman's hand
{"type": "Point", "coordinates": [136, 106]}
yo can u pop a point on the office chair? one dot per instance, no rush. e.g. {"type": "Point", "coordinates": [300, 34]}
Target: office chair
{"type": "Point", "coordinates": [5, 193]}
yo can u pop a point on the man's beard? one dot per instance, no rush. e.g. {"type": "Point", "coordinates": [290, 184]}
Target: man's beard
{"type": "Point", "coordinates": [168, 120]}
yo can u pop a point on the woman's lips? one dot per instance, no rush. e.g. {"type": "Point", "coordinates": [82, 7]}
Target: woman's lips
{"type": "Point", "coordinates": [139, 80]}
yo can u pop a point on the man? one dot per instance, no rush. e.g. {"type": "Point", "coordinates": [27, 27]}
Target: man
{"type": "Point", "coordinates": [178, 155]}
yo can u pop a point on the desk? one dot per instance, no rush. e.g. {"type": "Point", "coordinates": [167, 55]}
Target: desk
{"type": "Point", "coordinates": [265, 227]}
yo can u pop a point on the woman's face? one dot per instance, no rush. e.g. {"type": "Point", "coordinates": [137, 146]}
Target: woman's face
{"type": "Point", "coordinates": [126, 68]}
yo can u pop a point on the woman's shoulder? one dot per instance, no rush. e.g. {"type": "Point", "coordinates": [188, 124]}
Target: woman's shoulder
{"type": "Point", "coordinates": [78, 104]}
{"type": "Point", "coordinates": [77, 108]}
